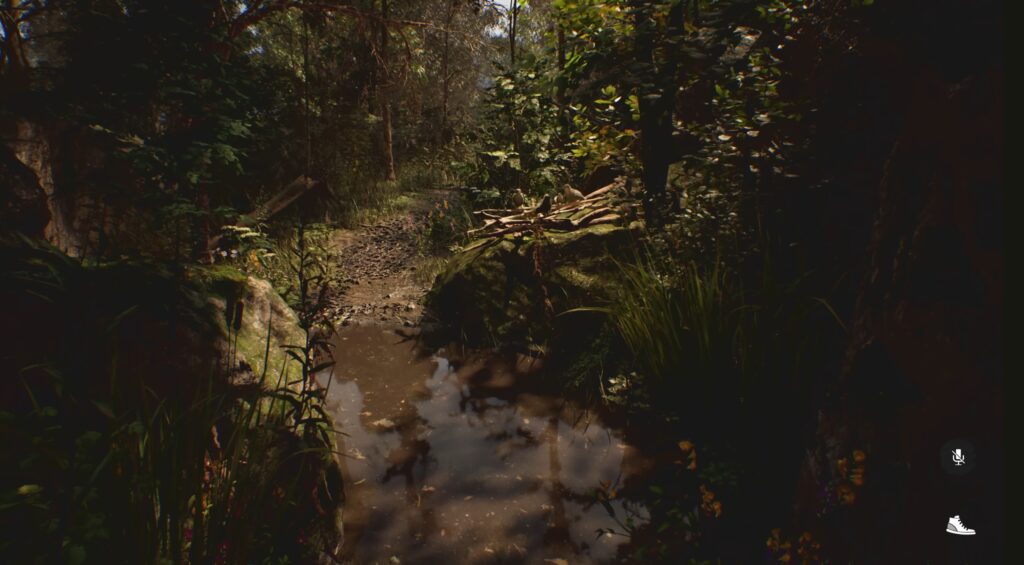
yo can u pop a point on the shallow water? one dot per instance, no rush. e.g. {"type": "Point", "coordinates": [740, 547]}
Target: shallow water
{"type": "Point", "coordinates": [456, 465]}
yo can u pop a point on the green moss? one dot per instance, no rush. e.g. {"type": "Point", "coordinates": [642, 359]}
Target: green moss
{"type": "Point", "coordinates": [219, 280]}
{"type": "Point", "coordinates": [264, 313]}
{"type": "Point", "coordinates": [578, 277]}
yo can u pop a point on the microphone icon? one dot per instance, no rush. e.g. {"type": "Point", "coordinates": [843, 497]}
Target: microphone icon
{"type": "Point", "coordinates": [958, 457]}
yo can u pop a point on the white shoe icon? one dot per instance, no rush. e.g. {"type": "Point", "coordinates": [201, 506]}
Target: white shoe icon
{"type": "Point", "coordinates": [956, 527]}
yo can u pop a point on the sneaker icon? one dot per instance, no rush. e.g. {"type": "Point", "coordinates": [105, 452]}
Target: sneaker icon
{"type": "Point", "coordinates": [956, 527]}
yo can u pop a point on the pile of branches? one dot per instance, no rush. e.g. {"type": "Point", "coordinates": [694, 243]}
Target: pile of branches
{"type": "Point", "coordinates": [606, 205]}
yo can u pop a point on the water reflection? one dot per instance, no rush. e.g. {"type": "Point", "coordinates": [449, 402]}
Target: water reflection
{"type": "Point", "coordinates": [446, 466]}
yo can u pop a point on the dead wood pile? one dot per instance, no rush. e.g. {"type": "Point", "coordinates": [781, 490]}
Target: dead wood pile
{"type": "Point", "coordinates": [606, 205]}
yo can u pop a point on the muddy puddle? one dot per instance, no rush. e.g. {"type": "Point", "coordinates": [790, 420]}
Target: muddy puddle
{"type": "Point", "coordinates": [450, 463]}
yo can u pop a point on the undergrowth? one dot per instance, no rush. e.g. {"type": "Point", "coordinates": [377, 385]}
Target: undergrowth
{"type": "Point", "coordinates": [129, 437]}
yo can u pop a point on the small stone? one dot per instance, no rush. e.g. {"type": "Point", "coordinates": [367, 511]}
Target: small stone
{"type": "Point", "coordinates": [410, 307]}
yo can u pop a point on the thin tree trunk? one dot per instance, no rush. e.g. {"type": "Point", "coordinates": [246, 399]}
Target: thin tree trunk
{"type": "Point", "coordinates": [384, 99]}
{"type": "Point", "coordinates": [446, 79]}
{"type": "Point", "coordinates": [513, 17]}
{"type": "Point", "coordinates": [389, 156]}
{"type": "Point", "coordinates": [563, 118]}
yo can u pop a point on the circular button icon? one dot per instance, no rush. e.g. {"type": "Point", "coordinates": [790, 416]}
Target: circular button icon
{"type": "Point", "coordinates": [958, 457]}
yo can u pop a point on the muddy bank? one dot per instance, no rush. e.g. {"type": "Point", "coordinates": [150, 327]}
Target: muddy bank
{"type": "Point", "coordinates": [377, 268]}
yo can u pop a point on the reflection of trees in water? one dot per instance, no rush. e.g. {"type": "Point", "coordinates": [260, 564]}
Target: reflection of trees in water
{"type": "Point", "coordinates": [355, 509]}
{"type": "Point", "coordinates": [413, 450]}
{"type": "Point", "coordinates": [557, 534]}
{"type": "Point", "coordinates": [501, 423]}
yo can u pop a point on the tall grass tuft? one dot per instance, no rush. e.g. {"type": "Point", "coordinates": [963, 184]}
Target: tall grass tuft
{"type": "Point", "coordinates": [678, 323]}
{"type": "Point", "coordinates": [700, 330]}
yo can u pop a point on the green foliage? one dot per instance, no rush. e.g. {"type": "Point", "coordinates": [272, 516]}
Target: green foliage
{"type": "Point", "coordinates": [521, 147]}
{"type": "Point", "coordinates": [700, 331]}
{"type": "Point", "coordinates": [445, 226]}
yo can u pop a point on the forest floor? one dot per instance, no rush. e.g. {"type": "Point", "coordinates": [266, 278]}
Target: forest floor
{"type": "Point", "coordinates": [383, 273]}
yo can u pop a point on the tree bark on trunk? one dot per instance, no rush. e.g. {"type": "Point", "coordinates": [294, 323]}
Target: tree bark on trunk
{"type": "Point", "coordinates": [383, 97]}
{"type": "Point", "coordinates": [656, 95]}
{"type": "Point", "coordinates": [13, 60]}
{"type": "Point", "coordinates": [445, 75]}
{"type": "Point", "coordinates": [563, 117]}
{"type": "Point", "coordinates": [513, 21]}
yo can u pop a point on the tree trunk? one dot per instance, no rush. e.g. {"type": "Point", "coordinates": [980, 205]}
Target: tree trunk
{"type": "Point", "coordinates": [513, 17]}
{"type": "Point", "coordinates": [201, 229]}
{"type": "Point", "coordinates": [563, 117]}
{"type": "Point", "coordinates": [389, 156]}
{"type": "Point", "coordinates": [13, 60]}
{"type": "Point", "coordinates": [657, 105]}
{"type": "Point", "coordinates": [445, 76]}
{"type": "Point", "coordinates": [383, 98]}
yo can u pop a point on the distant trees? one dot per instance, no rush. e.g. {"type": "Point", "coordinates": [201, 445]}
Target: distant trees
{"type": "Point", "coordinates": [204, 108]}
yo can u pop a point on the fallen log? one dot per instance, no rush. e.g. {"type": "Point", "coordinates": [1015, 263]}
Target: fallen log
{"type": "Point", "coordinates": [489, 225]}
{"type": "Point", "coordinates": [279, 202]}
{"type": "Point", "coordinates": [592, 215]}
{"type": "Point", "coordinates": [606, 219]}
{"type": "Point", "coordinates": [599, 192]}
{"type": "Point", "coordinates": [571, 205]}
{"type": "Point", "coordinates": [286, 197]}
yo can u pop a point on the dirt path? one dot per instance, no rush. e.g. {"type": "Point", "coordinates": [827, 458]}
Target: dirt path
{"type": "Point", "coordinates": [377, 267]}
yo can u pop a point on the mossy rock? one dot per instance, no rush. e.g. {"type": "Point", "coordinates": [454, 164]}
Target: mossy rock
{"type": "Point", "coordinates": [262, 312]}
{"type": "Point", "coordinates": [493, 292]}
